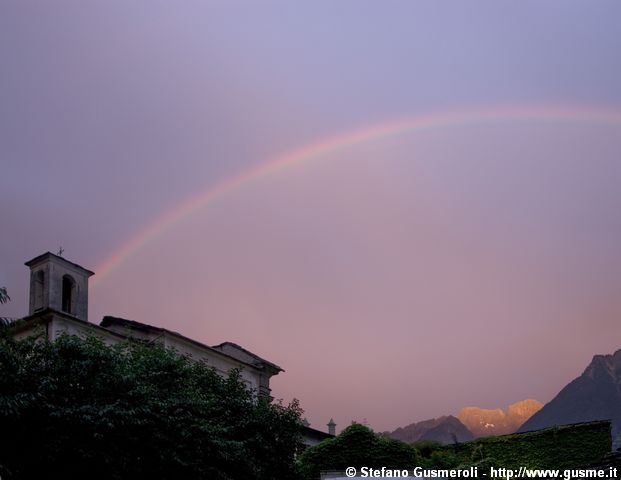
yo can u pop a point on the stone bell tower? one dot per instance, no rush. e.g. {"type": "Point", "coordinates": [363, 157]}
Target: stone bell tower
{"type": "Point", "coordinates": [58, 284]}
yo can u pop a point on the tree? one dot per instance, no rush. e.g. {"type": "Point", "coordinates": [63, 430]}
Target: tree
{"type": "Point", "coordinates": [81, 409]}
{"type": "Point", "coordinates": [357, 446]}
{"type": "Point", "coordinates": [4, 296]}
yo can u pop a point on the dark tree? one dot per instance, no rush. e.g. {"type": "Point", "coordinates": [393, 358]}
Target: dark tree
{"type": "Point", "coordinates": [357, 446]}
{"type": "Point", "coordinates": [80, 409]}
{"type": "Point", "coordinates": [4, 296]}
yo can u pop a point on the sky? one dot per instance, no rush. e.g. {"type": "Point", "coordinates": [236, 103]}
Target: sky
{"type": "Point", "coordinates": [410, 206]}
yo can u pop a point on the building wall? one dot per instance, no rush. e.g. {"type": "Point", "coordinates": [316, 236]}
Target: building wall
{"type": "Point", "coordinates": [59, 304]}
{"type": "Point", "coordinates": [52, 325]}
{"type": "Point", "coordinates": [220, 363]}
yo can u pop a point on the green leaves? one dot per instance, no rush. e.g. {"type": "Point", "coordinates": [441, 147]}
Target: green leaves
{"type": "Point", "coordinates": [567, 446]}
{"type": "Point", "coordinates": [356, 446]}
{"type": "Point", "coordinates": [4, 296]}
{"type": "Point", "coordinates": [134, 411]}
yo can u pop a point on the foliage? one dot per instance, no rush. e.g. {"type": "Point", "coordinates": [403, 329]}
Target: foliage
{"type": "Point", "coordinates": [356, 446]}
{"type": "Point", "coordinates": [559, 447]}
{"type": "Point", "coordinates": [80, 409]}
{"type": "Point", "coordinates": [427, 447]}
{"type": "Point", "coordinates": [567, 446]}
{"type": "Point", "coordinates": [4, 296]}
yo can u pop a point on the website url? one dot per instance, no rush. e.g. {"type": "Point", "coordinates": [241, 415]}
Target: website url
{"type": "Point", "coordinates": [509, 473]}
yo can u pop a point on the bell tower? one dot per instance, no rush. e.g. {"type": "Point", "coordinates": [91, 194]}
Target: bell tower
{"type": "Point", "coordinates": [58, 284]}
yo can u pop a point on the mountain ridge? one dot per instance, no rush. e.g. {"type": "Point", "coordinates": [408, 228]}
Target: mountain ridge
{"type": "Point", "coordinates": [444, 429]}
{"type": "Point", "coordinates": [594, 395]}
{"type": "Point", "coordinates": [491, 422]}
{"type": "Point", "coordinates": [470, 423]}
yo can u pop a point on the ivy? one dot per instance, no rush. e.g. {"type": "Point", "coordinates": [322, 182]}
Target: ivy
{"type": "Point", "coordinates": [356, 446]}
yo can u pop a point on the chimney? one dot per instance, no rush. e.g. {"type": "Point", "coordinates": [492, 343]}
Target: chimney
{"type": "Point", "coordinates": [332, 427]}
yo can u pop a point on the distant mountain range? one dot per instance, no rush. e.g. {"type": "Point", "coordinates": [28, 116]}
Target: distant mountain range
{"type": "Point", "coordinates": [594, 395]}
{"type": "Point", "coordinates": [470, 423]}
{"type": "Point", "coordinates": [446, 429]}
{"type": "Point", "coordinates": [482, 422]}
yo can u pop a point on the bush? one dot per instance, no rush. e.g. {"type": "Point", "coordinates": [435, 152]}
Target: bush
{"type": "Point", "coordinates": [81, 409]}
{"type": "Point", "coordinates": [356, 446]}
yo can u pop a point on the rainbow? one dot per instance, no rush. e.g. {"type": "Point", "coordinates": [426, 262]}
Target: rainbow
{"type": "Point", "coordinates": [329, 145]}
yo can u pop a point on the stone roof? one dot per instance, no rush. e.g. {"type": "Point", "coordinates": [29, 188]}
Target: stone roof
{"type": "Point", "coordinates": [259, 363]}
{"type": "Point", "coordinates": [312, 436]}
{"type": "Point", "coordinates": [45, 255]}
{"type": "Point", "coordinates": [45, 316]}
{"type": "Point", "coordinates": [256, 358]}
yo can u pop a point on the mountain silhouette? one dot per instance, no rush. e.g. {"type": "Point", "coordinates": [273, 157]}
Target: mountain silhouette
{"type": "Point", "coordinates": [445, 429]}
{"type": "Point", "coordinates": [471, 422]}
{"type": "Point", "coordinates": [594, 395]}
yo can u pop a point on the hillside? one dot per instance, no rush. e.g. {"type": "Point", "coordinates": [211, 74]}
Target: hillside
{"type": "Point", "coordinates": [445, 429]}
{"type": "Point", "coordinates": [594, 395]}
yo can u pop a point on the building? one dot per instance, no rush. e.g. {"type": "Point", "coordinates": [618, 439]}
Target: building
{"type": "Point", "coordinates": [59, 305]}
{"type": "Point", "coordinates": [312, 436]}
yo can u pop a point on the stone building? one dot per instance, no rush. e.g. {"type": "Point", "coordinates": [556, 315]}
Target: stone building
{"type": "Point", "coordinates": [312, 436]}
{"type": "Point", "coordinates": [59, 304]}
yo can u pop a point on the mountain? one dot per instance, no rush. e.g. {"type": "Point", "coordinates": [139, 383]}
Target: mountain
{"type": "Point", "coordinates": [472, 422]}
{"type": "Point", "coordinates": [594, 395]}
{"type": "Point", "coordinates": [484, 422]}
{"type": "Point", "coordinates": [445, 429]}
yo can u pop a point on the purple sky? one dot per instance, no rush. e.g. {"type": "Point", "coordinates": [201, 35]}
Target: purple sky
{"type": "Point", "coordinates": [394, 280]}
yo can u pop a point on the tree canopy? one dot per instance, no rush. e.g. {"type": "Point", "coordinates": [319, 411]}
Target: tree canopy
{"type": "Point", "coordinates": [357, 446]}
{"type": "Point", "coordinates": [4, 296]}
{"type": "Point", "coordinates": [82, 409]}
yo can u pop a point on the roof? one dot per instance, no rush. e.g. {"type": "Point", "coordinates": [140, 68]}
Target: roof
{"type": "Point", "coordinates": [132, 324]}
{"type": "Point", "coordinates": [44, 316]}
{"type": "Point", "coordinates": [143, 327]}
{"type": "Point", "coordinates": [254, 356]}
{"type": "Point", "coordinates": [310, 432]}
{"type": "Point", "coordinates": [45, 255]}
